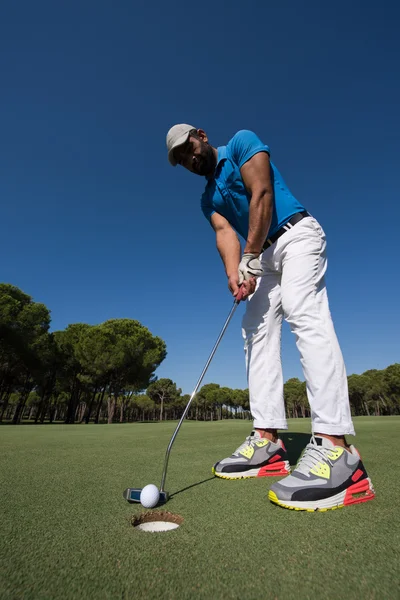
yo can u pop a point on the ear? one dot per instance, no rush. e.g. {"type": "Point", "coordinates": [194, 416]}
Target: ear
{"type": "Point", "coordinates": [202, 135]}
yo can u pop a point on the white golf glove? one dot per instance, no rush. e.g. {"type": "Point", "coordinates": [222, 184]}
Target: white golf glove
{"type": "Point", "coordinates": [249, 267]}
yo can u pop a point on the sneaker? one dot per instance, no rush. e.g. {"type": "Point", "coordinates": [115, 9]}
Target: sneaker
{"type": "Point", "coordinates": [326, 477]}
{"type": "Point", "coordinates": [256, 457]}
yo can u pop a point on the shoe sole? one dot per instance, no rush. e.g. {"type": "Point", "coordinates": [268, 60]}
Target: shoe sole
{"type": "Point", "coordinates": [362, 491]}
{"type": "Point", "coordinates": [275, 470]}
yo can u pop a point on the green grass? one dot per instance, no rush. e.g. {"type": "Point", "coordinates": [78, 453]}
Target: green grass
{"type": "Point", "coordinates": [65, 529]}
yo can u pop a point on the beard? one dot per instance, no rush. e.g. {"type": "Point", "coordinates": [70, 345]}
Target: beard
{"type": "Point", "coordinates": [205, 161]}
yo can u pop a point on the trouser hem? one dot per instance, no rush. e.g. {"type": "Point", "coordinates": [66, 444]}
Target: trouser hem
{"type": "Point", "coordinates": [258, 424]}
{"type": "Point", "coordinates": [334, 429]}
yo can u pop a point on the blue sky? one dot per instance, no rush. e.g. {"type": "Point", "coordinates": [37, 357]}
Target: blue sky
{"type": "Point", "coordinates": [97, 225]}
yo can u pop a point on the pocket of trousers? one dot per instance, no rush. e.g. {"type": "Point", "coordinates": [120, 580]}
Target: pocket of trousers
{"type": "Point", "coordinates": [317, 227]}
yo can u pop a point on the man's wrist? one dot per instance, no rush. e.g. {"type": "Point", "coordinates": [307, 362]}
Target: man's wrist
{"type": "Point", "coordinates": [233, 273]}
{"type": "Point", "coordinates": [251, 250]}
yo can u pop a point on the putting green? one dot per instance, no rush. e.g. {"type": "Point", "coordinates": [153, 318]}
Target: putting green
{"type": "Point", "coordinates": [66, 531]}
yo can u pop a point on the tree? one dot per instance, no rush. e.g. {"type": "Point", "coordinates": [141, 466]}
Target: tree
{"type": "Point", "coordinates": [358, 385]}
{"type": "Point", "coordinates": [178, 406]}
{"type": "Point", "coordinates": [208, 394]}
{"type": "Point", "coordinates": [239, 400]}
{"type": "Point", "coordinates": [220, 398]}
{"type": "Point", "coordinates": [121, 354]}
{"type": "Point", "coordinates": [144, 403]}
{"type": "Point", "coordinates": [163, 391]}
{"type": "Point", "coordinates": [88, 370]}
{"type": "Point", "coordinates": [295, 395]}
{"type": "Point", "coordinates": [67, 342]}
{"type": "Point", "coordinates": [24, 326]}
{"type": "Point", "coordinates": [45, 374]}
{"type": "Point", "coordinates": [377, 392]}
{"type": "Point", "coordinates": [391, 377]}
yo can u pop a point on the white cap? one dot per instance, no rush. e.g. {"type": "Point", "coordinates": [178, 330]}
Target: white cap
{"type": "Point", "coordinates": [176, 136]}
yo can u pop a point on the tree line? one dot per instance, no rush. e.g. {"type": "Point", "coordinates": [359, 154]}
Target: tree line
{"type": "Point", "coordinates": [106, 373]}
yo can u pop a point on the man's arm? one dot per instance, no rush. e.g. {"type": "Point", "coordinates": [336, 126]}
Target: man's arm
{"type": "Point", "coordinates": [257, 179]}
{"type": "Point", "coordinates": [228, 246]}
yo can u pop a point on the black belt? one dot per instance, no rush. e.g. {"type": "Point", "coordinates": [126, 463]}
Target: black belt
{"type": "Point", "coordinates": [292, 221]}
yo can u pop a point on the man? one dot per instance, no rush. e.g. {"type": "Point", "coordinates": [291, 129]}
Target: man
{"type": "Point", "coordinates": [281, 272]}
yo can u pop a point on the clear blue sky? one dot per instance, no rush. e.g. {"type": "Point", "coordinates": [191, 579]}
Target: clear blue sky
{"type": "Point", "coordinates": [97, 225]}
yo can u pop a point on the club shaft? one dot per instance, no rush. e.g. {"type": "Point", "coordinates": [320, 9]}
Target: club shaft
{"type": "Point", "coordinates": [164, 475]}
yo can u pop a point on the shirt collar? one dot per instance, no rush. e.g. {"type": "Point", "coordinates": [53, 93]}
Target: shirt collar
{"type": "Point", "coordinates": [221, 154]}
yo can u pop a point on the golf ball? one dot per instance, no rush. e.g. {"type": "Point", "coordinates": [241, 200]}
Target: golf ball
{"type": "Point", "coordinates": [149, 496]}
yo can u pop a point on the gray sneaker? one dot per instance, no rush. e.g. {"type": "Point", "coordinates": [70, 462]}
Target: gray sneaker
{"type": "Point", "coordinates": [256, 457]}
{"type": "Point", "coordinates": [326, 477]}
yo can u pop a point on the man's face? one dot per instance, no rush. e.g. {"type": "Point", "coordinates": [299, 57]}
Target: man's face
{"type": "Point", "coordinates": [196, 155]}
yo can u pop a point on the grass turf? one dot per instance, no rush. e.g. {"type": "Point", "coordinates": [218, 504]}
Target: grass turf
{"type": "Point", "coordinates": [65, 529]}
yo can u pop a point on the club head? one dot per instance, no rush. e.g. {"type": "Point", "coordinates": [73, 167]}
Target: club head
{"type": "Point", "coordinates": [132, 495]}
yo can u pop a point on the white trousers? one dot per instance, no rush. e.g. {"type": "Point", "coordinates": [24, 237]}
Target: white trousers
{"type": "Point", "coordinates": [293, 286]}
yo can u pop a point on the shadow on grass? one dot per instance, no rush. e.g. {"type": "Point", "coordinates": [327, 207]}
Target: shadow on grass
{"type": "Point", "coordinates": [295, 444]}
{"type": "Point", "coordinates": [8, 422]}
{"type": "Point", "coordinates": [189, 487]}
{"type": "Point", "coordinates": [38, 423]}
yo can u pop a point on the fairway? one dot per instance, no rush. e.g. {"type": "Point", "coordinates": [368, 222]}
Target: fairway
{"type": "Point", "coordinates": [65, 529]}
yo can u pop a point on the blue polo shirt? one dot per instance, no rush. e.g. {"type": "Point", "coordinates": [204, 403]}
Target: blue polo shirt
{"type": "Point", "coordinates": [226, 194]}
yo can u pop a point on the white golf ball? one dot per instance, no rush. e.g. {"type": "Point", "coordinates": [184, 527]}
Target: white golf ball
{"type": "Point", "coordinates": [149, 496]}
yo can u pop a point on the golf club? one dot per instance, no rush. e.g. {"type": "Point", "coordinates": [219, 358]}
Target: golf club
{"type": "Point", "coordinates": [133, 494]}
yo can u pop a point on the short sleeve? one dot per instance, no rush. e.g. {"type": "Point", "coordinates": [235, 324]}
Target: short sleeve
{"type": "Point", "coordinates": [244, 145]}
{"type": "Point", "coordinates": [206, 206]}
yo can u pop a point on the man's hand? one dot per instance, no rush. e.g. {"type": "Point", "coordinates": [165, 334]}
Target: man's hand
{"type": "Point", "coordinates": [248, 287]}
{"type": "Point", "coordinates": [249, 267]}
{"type": "Point", "coordinates": [229, 248]}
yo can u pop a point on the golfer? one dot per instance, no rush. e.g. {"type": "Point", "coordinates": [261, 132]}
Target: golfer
{"type": "Point", "coordinates": [281, 271]}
